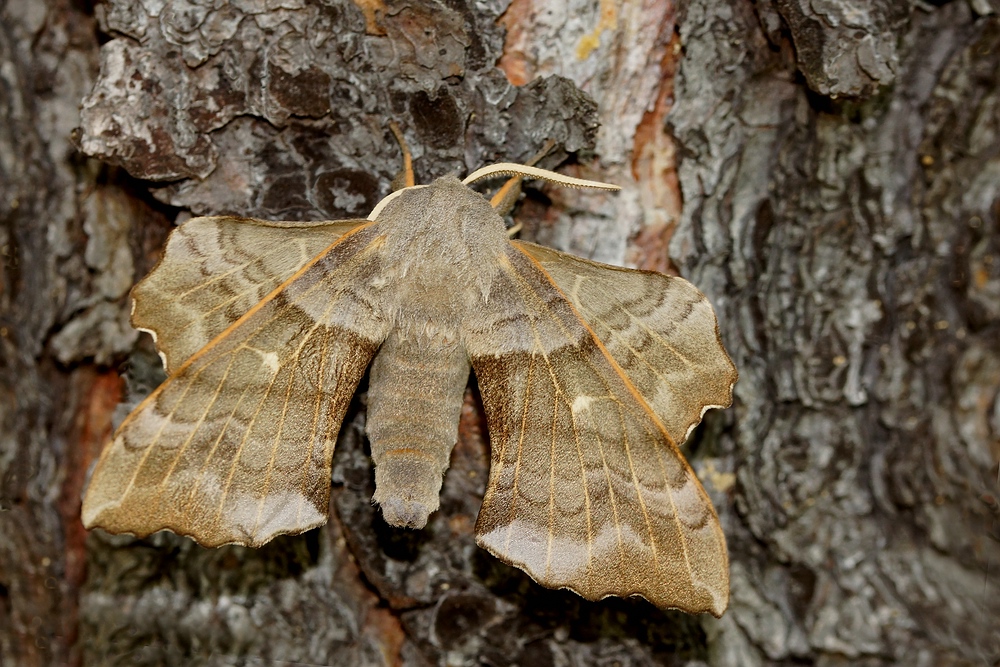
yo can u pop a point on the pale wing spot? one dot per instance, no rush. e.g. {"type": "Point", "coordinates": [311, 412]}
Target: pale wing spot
{"type": "Point", "coordinates": [269, 358]}
{"type": "Point", "coordinates": [581, 403]}
{"type": "Point", "coordinates": [271, 361]}
{"type": "Point", "coordinates": [574, 292]}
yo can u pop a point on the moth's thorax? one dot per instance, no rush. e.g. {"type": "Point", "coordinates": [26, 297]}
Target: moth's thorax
{"type": "Point", "coordinates": [439, 253]}
{"type": "Point", "coordinates": [444, 222]}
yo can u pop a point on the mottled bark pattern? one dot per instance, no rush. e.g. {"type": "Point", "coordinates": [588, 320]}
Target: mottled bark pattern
{"type": "Point", "coordinates": [845, 243]}
{"type": "Point", "coordinates": [282, 111]}
{"type": "Point", "coordinates": [837, 164]}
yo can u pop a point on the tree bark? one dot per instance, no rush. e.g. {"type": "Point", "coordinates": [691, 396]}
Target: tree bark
{"type": "Point", "coordinates": [828, 173]}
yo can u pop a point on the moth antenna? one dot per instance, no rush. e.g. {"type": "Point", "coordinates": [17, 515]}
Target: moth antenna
{"type": "Point", "coordinates": [524, 171]}
{"type": "Point", "coordinates": [505, 198]}
{"type": "Point", "coordinates": [408, 180]}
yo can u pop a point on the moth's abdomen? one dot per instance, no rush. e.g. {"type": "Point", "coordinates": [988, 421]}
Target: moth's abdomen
{"type": "Point", "coordinates": [414, 402]}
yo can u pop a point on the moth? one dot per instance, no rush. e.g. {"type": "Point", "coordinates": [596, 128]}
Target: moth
{"type": "Point", "coordinates": [590, 376]}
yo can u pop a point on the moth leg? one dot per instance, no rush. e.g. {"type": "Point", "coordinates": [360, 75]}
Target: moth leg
{"type": "Point", "coordinates": [405, 178]}
{"type": "Point", "coordinates": [505, 198]}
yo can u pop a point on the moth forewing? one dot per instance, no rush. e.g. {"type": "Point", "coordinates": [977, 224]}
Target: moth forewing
{"type": "Point", "coordinates": [660, 330]}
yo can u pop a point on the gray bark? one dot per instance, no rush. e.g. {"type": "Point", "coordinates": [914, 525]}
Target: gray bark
{"type": "Point", "coordinates": [827, 172]}
{"type": "Point", "coordinates": [855, 241]}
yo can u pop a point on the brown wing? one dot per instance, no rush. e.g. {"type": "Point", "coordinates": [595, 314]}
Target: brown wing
{"type": "Point", "coordinates": [660, 330]}
{"type": "Point", "coordinates": [214, 270]}
{"type": "Point", "coordinates": [236, 446]}
{"type": "Point", "coordinates": [587, 489]}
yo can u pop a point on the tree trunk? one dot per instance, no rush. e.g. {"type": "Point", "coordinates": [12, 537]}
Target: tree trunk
{"type": "Point", "coordinates": [828, 173]}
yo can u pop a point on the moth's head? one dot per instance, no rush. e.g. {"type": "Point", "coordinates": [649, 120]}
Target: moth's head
{"type": "Point", "coordinates": [455, 193]}
{"type": "Point", "coordinates": [464, 209]}
{"type": "Point", "coordinates": [443, 211]}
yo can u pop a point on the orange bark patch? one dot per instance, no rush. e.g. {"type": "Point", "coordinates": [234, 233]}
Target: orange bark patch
{"type": "Point", "coordinates": [654, 165]}
{"type": "Point", "coordinates": [103, 392]}
{"type": "Point", "coordinates": [981, 276]}
{"type": "Point", "coordinates": [470, 465]}
{"type": "Point", "coordinates": [649, 249]}
{"type": "Point", "coordinates": [92, 427]}
{"type": "Point", "coordinates": [383, 630]}
{"type": "Point", "coordinates": [471, 431]}
{"type": "Point", "coordinates": [514, 61]}
{"type": "Point", "coordinates": [373, 11]}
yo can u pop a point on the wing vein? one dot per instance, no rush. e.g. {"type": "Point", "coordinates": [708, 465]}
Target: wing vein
{"type": "Point", "coordinates": [277, 440]}
{"type": "Point", "coordinates": [624, 341]}
{"type": "Point", "coordinates": [315, 422]}
{"type": "Point", "coordinates": [250, 426]}
{"type": "Point", "coordinates": [552, 482]}
{"type": "Point", "coordinates": [211, 454]}
{"type": "Point", "coordinates": [316, 410]}
{"type": "Point", "coordinates": [520, 451]}
{"type": "Point", "coordinates": [166, 420]}
{"type": "Point", "coordinates": [586, 488]}
{"type": "Point", "coordinates": [194, 430]}
{"type": "Point", "coordinates": [527, 286]}
{"type": "Point", "coordinates": [558, 392]}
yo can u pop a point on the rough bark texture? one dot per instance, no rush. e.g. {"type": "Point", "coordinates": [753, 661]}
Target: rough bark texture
{"type": "Point", "coordinates": [827, 172]}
